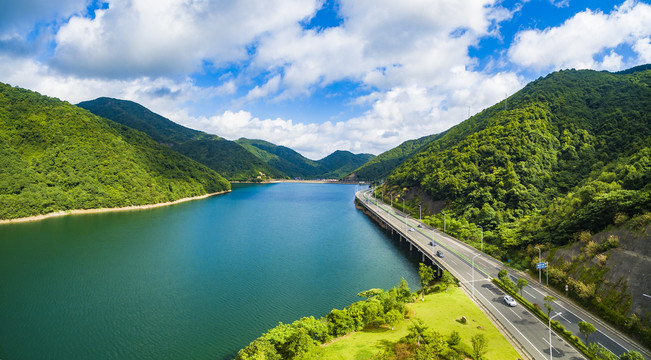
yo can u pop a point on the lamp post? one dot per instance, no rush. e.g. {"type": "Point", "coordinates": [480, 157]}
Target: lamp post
{"type": "Point", "coordinates": [539, 270]}
{"type": "Point", "coordinates": [444, 218]}
{"type": "Point", "coordinates": [420, 216]}
{"type": "Point", "coordinates": [473, 275]}
{"type": "Point", "coordinates": [482, 238]}
{"type": "Point", "coordinates": [403, 205]}
{"type": "Point", "coordinates": [551, 348]}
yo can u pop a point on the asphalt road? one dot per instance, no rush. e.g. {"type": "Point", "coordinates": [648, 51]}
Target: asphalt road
{"type": "Point", "coordinates": [527, 330]}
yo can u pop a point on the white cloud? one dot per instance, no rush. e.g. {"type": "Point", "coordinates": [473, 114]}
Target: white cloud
{"type": "Point", "coordinates": [643, 48]}
{"type": "Point", "coordinates": [134, 38]}
{"type": "Point", "coordinates": [577, 42]}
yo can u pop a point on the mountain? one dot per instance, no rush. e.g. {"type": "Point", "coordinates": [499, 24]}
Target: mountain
{"type": "Point", "coordinates": [295, 165]}
{"type": "Point", "coordinates": [224, 156]}
{"type": "Point", "coordinates": [382, 165]}
{"type": "Point", "coordinates": [340, 163]}
{"type": "Point", "coordinates": [564, 166]}
{"type": "Point", "coordinates": [58, 157]}
{"type": "Point", "coordinates": [572, 139]}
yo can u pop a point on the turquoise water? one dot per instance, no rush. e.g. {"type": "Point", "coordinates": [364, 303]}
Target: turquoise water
{"type": "Point", "coordinates": [198, 280]}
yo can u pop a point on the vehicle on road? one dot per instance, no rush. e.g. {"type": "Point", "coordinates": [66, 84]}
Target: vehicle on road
{"type": "Point", "coordinates": [411, 229]}
{"type": "Point", "coordinates": [432, 243]}
{"type": "Point", "coordinates": [420, 226]}
{"type": "Point", "coordinates": [439, 253]}
{"type": "Point", "coordinates": [509, 301]}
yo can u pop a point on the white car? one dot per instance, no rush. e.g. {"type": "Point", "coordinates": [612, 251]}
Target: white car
{"type": "Point", "coordinates": [411, 229]}
{"type": "Point", "coordinates": [509, 301]}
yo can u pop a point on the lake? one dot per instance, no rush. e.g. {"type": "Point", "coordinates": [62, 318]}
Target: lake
{"type": "Point", "coordinates": [197, 280]}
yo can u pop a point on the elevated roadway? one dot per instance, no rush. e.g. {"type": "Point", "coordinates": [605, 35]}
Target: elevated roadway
{"type": "Point", "coordinates": [474, 270]}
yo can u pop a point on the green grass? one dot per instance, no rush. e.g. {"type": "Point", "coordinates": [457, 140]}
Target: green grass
{"type": "Point", "coordinates": [440, 311]}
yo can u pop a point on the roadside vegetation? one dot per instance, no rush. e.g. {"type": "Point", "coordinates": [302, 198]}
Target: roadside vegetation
{"type": "Point", "coordinates": [393, 324]}
{"type": "Point", "coordinates": [567, 157]}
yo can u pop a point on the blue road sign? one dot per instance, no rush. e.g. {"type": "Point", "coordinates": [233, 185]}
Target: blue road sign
{"type": "Point", "coordinates": [540, 265]}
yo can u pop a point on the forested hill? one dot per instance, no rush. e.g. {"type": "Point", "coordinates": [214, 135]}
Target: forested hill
{"type": "Point", "coordinates": [567, 153]}
{"type": "Point", "coordinates": [295, 165]}
{"type": "Point", "coordinates": [226, 157]}
{"type": "Point", "coordinates": [57, 156]}
{"type": "Point", "coordinates": [382, 165]}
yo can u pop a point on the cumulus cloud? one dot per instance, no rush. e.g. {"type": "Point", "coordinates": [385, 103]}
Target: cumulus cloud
{"type": "Point", "coordinates": [579, 40]}
{"type": "Point", "coordinates": [134, 38]}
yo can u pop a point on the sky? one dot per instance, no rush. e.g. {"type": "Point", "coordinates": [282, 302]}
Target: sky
{"type": "Point", "coordinates": [313, 75]}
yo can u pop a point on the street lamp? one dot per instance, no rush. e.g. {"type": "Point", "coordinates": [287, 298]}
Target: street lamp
{"type": "Point", "coordinates": [403, 205]}
{"type": "Point", "coordinates": [420, 217]}
{"type": "Point", "coordinates": [473, 275]}
{"type": "Point", "coordinates": [482, 238]}
{"type": "Point", "coordinates": [539, 270]}
{"type": "Point", "coordinates": [444, 218]}
{"type": "Point", "coordinates": [551, 348]}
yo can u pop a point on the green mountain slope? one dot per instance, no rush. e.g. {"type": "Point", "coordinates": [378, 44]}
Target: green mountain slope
{"type": "Point", "coordinates": [341, 163]}
{"type": "Point", "coordinates": [570, 131]}
{"type": "Point", "coordinates": [566, 167]}
{"type": "Point", "coordinates": [295, 165]}
{"type": "Point", "coordinates": [382, 165]}
{"type": "Point", "coordinates": [56, 156]}
{"type": "Point", "coordinates": [224, 156]}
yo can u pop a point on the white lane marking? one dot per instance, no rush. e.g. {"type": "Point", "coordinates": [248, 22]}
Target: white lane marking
{"type": "Point", "coordinates": [599, 331]}
{"type": "Point", "coordinates": [526, 292]}
{"type": "Point", "coordinates": [516, 314]}
{"type": "Point", "coordinates": [488, 302]}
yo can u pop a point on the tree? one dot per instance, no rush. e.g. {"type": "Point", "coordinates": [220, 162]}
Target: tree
{"type": "Point", "coordinates": [447, 279]}
{"type": "Point", "coordinates": [631, 355]}
{"type": "Point", "coordinates": [586, 329]}
{"type": "Point", "coordinates": [393, 317]}
{"type": "Point", "coordinates": [521, 284]}
{"type": "Point", "coordinates": [502, 274]}
{"type": "Point", "coordinates": [479, 346]}
{"type": "Point", "coordinates": [417, 332]}
{"type": "Point", "coordinates": [433, 349]}
{"type": "Point", "coordinates": [370, 293]}
{"type": "Point", "coordinates": [548, 304]}
{"type": "Point", "coordinates": [454, 338]}
{"type": "Point", "coordinates": [340, 322]}
{"type": "Point", "coordinates": [426, 274]}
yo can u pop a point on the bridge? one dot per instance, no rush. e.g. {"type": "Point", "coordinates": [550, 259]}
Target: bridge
{"type": "Point", "coordinates": [474, 271]}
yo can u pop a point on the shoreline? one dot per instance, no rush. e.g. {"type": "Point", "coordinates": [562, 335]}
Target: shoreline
{"type": "Point", "coordinates": [278, 181]}
{"type": "Point", "coordinates": [104, 210]}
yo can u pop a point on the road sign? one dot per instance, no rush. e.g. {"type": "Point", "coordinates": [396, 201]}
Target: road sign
{"type": "Point", "coordinates": [540, 265]}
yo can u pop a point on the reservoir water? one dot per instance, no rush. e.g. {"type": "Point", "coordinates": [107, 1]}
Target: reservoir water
{"type": "Point", "coordinates": [198, 280]}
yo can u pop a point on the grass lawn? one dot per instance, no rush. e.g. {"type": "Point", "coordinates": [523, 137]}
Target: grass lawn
{"type": "Point", "coordinates": [440, 311]}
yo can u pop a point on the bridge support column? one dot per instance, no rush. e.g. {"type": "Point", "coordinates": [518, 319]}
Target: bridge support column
{"type": "Point", "coordinates": [422, 257]}
{"type": "Point", "coordinates": [409, 246]}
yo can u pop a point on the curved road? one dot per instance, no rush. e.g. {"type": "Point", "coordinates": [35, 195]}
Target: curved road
{"type": "Point", "coordinates": [525, 329]}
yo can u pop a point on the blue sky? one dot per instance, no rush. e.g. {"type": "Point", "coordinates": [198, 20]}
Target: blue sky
{"type": "Point", "coordinates": [314, 75]}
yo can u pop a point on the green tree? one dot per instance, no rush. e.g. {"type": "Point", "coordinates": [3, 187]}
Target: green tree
{"type": "Point", "coordinates": [393, 317]}
{"type": "Point", "coordinates": [447, 279]}
{"type": "Point", "coordinates": [402, 292]}
{"type": "Point", "coordinates": [259, 349]}
{"type": "Point", "coordinates": [370, 293]}
{"type": "Point", "coordinates": [631, 355]}
{"type": "Point", "coordinates": [417, 332]}
{"type": "Point", "coordinates": [549, 300]}
{"type": "Point", "coordinates": [340, 322]}
{"type": "Point", "coordinates": [502, 275]}
{"type": "Point", "coordinates": [433, 349]}
{"type": "Point", "coordinates": [426, 274]}
{"type": "Point", "coordinates": [521, 284]}
{"type": "Point", "coordinates": [479, 346]}
{"type": "Point", "coordinates": [586, 329]}
{"type": "Point", "coordinates": [454, 338]}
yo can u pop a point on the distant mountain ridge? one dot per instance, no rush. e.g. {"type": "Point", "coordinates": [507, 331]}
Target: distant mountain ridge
{"type": "Point", "coordinates": [58, 157]}
{"type": "Point", "coordinates": [295, 165]}
{"type": "Point", "coordinates": [224, 156]}
{"type": "Point", "coordinates": [381, 166]}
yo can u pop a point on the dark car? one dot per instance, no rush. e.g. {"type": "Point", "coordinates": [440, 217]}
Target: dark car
{"type": "Point", "coordinates": [432, 243]}
{"type": "Point", "coordinates": [439, 253]}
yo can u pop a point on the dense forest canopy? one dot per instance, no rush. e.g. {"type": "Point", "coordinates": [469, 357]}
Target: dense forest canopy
{"type": "Point", "coordinates": [226, 157]}
{"type": "Point", "coordinates": [566, 153]}
{"type": "Point", "coordinates": [382, 165]}
{"type": "Point", "coordinates": [334, 166]}
{"type": "Point", "coordinates": [57, 157]}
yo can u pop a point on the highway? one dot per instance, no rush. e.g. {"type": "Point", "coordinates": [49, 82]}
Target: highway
{"type": "Point", "coordinates": [525, 330]}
